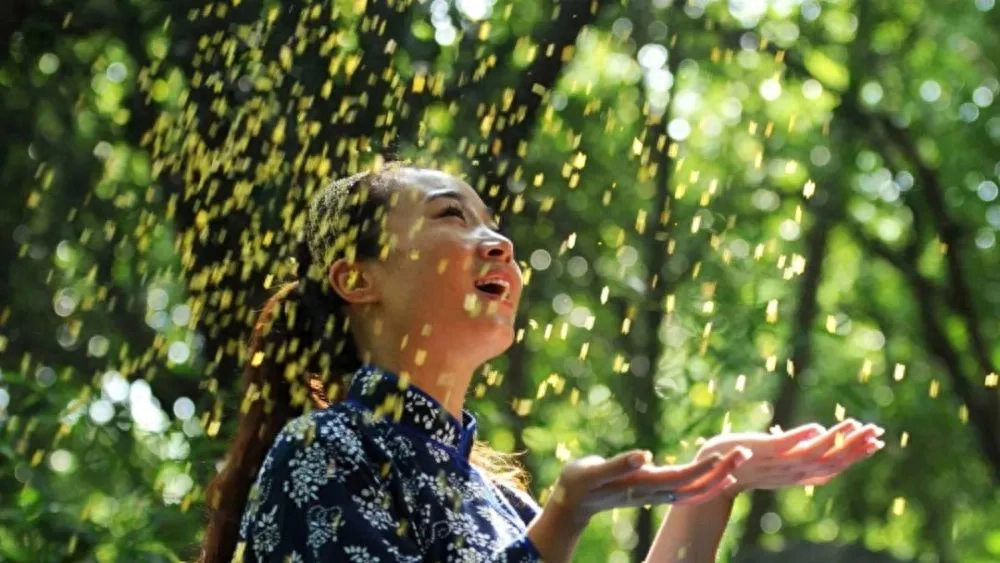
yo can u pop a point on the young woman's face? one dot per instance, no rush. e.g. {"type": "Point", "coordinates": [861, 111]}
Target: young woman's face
{"type": "Point", "coordinates": [449, 281]}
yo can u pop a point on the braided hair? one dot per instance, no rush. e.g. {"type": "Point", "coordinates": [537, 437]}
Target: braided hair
{"type": "Point", "coordinates": [301, 350]}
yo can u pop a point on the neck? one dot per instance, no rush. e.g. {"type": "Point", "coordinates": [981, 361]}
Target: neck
{"type": "Point", "coordinates": [433, 369]}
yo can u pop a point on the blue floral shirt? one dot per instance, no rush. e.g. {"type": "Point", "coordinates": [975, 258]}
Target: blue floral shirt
{"type": "Point", "coordinates": [383, 476]}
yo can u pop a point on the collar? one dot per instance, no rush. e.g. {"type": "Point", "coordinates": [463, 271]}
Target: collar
{"type": "Point", "coordinates": [395, 399]}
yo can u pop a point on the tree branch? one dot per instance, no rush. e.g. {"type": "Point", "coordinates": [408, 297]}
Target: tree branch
{"type": "Point", "coordinates": [960, 297]}
{"type": "Point", "coordinates": [951, 233]}
{"type": "Point", "coordinates": [13, 15]}
{"type": "Point", "coordinates": [502, 146]}
{"type": "Point", "coordinates": [984, 408]}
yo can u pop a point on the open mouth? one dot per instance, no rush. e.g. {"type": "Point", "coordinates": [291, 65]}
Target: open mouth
{"type": "Point", "coordinates": [497, 288]}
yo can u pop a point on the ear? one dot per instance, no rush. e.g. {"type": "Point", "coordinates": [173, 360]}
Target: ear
{"type": "Point", "coordinates": [353, 282]}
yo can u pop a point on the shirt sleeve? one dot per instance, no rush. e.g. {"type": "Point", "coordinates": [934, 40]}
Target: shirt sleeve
{"type": "Point", "coordinates": [522, 502]}
{"type": "Point", "coordinates": [521, 551]}
{"type": "Point", "coordinates": [527, 509]}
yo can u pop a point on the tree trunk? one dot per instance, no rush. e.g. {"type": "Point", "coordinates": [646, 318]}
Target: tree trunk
{"type": "Point", "coordinates": [646, 341]}
{"type": "Point", "coordinates": [762, 501]}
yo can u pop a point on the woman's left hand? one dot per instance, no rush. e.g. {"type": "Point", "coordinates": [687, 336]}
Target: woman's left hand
{"type": "Point", "coordinates": [806, 455]}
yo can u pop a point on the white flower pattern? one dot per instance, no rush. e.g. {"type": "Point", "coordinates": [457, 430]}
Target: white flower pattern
{"type": "Point", "coordinates": [345, 484]}
{"type": "Point", "coordinates": [309, 472]}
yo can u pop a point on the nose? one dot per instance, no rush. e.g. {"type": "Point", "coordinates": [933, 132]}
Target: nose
{"type": "Point", "coordinates": [497, 248]}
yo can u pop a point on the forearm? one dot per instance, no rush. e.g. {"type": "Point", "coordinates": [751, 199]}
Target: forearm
{"type": "Point", "coordinates": [691, 533]}
{"type": "Point", "coordinates": [555, 535]}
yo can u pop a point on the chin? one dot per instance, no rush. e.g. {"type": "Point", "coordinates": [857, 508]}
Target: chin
{"type": "Point", "coordinates": [492, 336]}
{"type": "Point", "coordinates": [489, 331]}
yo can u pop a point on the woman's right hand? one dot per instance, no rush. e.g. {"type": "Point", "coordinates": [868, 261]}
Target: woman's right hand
{"type": "Point", "coordinates": [593, 484]}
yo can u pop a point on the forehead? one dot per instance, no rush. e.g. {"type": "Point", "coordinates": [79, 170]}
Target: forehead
{"type": "Point", "coordinates": [417, 185]}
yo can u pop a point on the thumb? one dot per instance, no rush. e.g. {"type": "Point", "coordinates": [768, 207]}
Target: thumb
{"type": "Point", "coordinates": [619, 466]}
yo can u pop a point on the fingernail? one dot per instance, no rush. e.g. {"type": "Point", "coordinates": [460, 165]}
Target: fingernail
{"type": "Point", "coordinates": [874, 446]}
{"type": "Point", "coordinates": [879, 431]}
{"type": "Point", "coordinates": [742, 456]}
{"type": "Point", "coordinates": [638, 459]}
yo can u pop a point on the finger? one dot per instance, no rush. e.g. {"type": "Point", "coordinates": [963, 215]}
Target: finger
{"type": "Point", "coordinates": [690, 498]}
{"type": "Point", "coordinates": [616, 467]}
{"type": "Point", "coordinates": [676, 476]}
{"type": "Point", "coordinates": [643, 483]}
{"type": "Point", "coordinates": [636, 496]}
{"type": "Point", "coordinates": [845, 426]}
{"type": "Point", "coordinates": [706, 492]}
{"type": "Point", "coordinates": [873, 445]}
{"type": "Point", "coordinates": [819, 445]}
{"type": "Point", "coordinates": [696, 471]}
{"type": "Point", "coordinates": [790, 438]}
{"type": "Point", "coordinates": [734, 459]}
{"type": "Point", "coordinates": [728, 487]}
{"type": "Point", "coordinates": [695, 477]}
{"type": "Point", "coordinates": [870, 429]}
{"type": "Point", "coordinates": [849, 456]}
{"type": "Point", "coordinates": [782, 441]}
{"type": "Point", "coordinates": [852, 446]}
{"type": "Point", "coordinates": [823, 472]}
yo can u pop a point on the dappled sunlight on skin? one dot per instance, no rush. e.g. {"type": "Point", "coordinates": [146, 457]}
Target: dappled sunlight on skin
{"type": "Point", "coordinates": [807, 455]}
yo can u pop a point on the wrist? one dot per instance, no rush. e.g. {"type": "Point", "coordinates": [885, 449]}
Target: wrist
{"type": "Point", "coordinates": [730, 495]}
{"type": "Point", "coordinates": [556, 530]}
{"type": "Point", "coordinates": [568, 521]}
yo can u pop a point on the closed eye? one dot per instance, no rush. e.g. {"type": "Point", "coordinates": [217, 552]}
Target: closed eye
{"type": "Point", "coordinates": [452, 211]}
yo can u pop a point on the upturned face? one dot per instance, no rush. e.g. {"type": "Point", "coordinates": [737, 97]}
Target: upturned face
{"type": "Point", "coordinates": [448, 278]}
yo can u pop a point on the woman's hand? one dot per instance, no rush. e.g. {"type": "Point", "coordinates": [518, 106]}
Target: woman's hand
{"type": "Point", "coordinates": [806, 455]}
{"type": "Point", "coordinates": [593, 484]}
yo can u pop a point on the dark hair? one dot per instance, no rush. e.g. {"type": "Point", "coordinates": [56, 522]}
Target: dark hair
{"type": "Point", "coordinates": [301, 351]}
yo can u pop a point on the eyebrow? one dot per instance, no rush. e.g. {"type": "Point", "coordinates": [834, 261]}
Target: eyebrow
{"type": "Point", "coordinates": [452, 194]}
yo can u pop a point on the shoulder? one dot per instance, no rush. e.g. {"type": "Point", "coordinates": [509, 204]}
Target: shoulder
{"type": "Point", "coordinates": [324, 472]}
{"type": "Point", "coordinates": [318, 454]}
{"type": "Point", "coordinates": [336, 434]}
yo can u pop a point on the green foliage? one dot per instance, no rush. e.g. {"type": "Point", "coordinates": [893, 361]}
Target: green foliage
{"type": "Point", "coordinates": [717, 203]}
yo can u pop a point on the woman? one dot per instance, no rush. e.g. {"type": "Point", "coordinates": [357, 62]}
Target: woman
{"type": "Point", "coordinates": [354, 445]}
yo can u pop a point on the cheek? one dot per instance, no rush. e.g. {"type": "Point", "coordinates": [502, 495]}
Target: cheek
{"type": "Point", "coordinates": [445, 260]}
